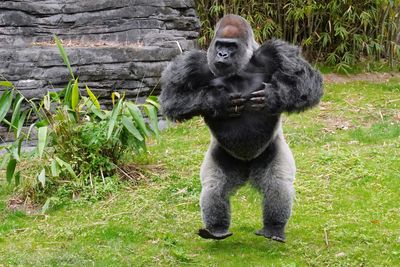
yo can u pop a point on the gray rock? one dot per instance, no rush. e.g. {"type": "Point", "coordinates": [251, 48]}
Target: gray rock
{"type": "Point", "coordinates": [113, 45]}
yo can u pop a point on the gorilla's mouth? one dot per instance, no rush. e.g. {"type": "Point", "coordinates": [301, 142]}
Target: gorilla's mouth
{"type": "Point", "coordinates": [223, 67]}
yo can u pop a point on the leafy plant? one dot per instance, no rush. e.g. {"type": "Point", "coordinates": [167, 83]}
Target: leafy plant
{"type": "Point", "coordinates": [79, 143]}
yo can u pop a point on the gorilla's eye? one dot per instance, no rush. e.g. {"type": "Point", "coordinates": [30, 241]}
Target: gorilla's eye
{"type": "Point", "coordinates": [226, 44]}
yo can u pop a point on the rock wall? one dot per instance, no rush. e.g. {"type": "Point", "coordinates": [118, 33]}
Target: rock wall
{"type": "Point", "coordinates": [112, 44]}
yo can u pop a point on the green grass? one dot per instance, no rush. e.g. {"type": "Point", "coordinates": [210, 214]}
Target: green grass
{"type": "Point", "coordinates": [347, 210]}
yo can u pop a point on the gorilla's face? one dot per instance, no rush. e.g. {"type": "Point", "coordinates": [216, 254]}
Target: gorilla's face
{"type": "Point", "coordinates": [228, 55]}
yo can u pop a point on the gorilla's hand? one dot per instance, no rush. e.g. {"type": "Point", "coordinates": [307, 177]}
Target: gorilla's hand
{"type": "Point", "coordinates": [258, 98]}
{"type": "Point", "coordinates": [225, 104]}
{"type": "Point", "coordinates": [236, 104]}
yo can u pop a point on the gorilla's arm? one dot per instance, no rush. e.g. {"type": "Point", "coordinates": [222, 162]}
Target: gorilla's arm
{"type": "Point", "coordinates": [294, 85]}
{"type": "Point", "coordinates": [186, 90]}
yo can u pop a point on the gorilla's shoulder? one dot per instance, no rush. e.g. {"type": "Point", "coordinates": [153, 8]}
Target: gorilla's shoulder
{"type": "Point", "coordinates": [188, 70]}
{"type": "Point", "coordinates": [191, 57]}
{"type": "Point", "coordinates": [286, 56]}
{"type": "Point", "coordinates": [281, 47]}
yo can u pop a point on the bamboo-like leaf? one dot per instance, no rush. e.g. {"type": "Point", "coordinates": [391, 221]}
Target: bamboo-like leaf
{"type": "Point", "coordinates": [113, 118]}
{"type": "Point", "coordinates": [28, 134]}
{"type": "Point", "coordinates": [92, 97]}
{"type": "Point", "coordinates": [42, 177]}
{"type": "Point", "coordinates": [151, 112]}
{"type": "Point", "coordinates": [54, 96]}
{"type": "Point", "coordinates": [15, 149]}
{"type": "Point", "coordinates": [153, 100]}
{"type": "Point", "coordinates": [67, 166]}
{"type": "Point", "coordinates": [11, 169]}
{"type": "Point", "coordinates": [138, 118]}
{"type": "Point", "coordinates": [16, 115]}
{"type": "Point", "coordinates": [64, 55]}
{"type": "Point", "coordinates": [67, 92]}
{"type": "Point", "coordinates": [128, 124]}
{"type": "Point", "coordinates": [55, 171]}
{"type": "Point", "coordinates": [17, 178]}
{"type": "Point", "coordinates": [21, 121]}
{"type": "Point", "coordinates": [75, 94]}
{"type": "Point", "coordinates": [6, 84]}
{"type": "Point", "coordinates": [46, 205]}
{"type": "Point", "coordinates": [113, 96]}
{"type": "Point", "coordinates": [98, 112]}
{"type": "Point", "coordinates": [5, 103]}
{"type": "Point", "coordinates": [42, 136]}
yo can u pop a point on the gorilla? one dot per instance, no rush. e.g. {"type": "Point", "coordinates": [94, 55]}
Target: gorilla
{"type": "Point", "coordinates": [241, 89]}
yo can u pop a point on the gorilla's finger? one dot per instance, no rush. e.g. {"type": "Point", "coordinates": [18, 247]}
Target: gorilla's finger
{"type": "Point", "coordinates": [238, 101]}
{"type": "Point", "coordinates": [236, 109]}
{"type": "Point", "coordinates": [258, 93]}
{"type": "Point", "coordinates": [258, 100]}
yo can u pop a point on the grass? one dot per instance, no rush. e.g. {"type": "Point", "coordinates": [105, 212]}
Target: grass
{"type": "Point", "coordinates": [346, 212]}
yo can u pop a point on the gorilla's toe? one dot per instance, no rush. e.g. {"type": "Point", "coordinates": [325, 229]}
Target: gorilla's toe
{"type": "Point", "coordinates": [262, 232]}
{"type": "Point", "coordinates": [279, 239]}
{"type": "Point", "coordinates": [275, 235]}
{"type": "Point", "coordinates": [206, 234]}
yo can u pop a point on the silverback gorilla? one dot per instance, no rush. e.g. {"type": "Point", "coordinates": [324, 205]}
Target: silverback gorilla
{"type": "Point", "coordinates": [241, 89]}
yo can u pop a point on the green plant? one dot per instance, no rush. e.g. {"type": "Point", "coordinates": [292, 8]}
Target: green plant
{"type": "Point", "coordinates": [79, 143]}
{"type": "Point", "coordinates": [336, 33]}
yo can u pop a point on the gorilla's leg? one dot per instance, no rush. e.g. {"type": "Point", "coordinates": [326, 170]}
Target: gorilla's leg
{"type": "Point", "coordinates": [220, 175]}
{"type": "Point", "coordinates": [275, 181]}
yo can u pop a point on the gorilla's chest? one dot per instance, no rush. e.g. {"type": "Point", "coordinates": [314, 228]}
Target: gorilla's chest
{"type": "Point", "coordinates": [247, 136]}
{"type": "Point", "coordinates": [244, 83]}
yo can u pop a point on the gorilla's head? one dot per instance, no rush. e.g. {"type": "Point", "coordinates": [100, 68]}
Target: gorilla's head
{"type": "Point", "coordinates": [232, 46]}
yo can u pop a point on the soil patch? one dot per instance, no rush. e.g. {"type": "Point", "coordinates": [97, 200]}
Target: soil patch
{"type": "Point", "coordinates": [376, 77]}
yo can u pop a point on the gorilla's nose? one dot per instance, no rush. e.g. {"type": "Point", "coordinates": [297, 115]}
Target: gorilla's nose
{"type": "Point", "coordinates": [222, 55]}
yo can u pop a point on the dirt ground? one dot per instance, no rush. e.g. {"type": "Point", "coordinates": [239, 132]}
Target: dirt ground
{"type": "Point", "coordinates": [377, 77]}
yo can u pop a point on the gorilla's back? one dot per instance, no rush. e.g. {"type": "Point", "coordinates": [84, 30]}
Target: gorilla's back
{"type": "Point", "coordinates": [247, 136]}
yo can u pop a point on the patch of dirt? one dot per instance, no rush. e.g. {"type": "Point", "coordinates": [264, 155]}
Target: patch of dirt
{"type": "Point", "coordinates": [396, 117]}
{"type": "Point", "coordinates": [136, 173]}
{"type": "Point", "coordinates": [332, 122]}
{"type": "Point", "coordinates": [18, 204]}
{"type": "Point", "coordinates": [376, 77]}
{"type": "Point", "coordinates": [104, 44]}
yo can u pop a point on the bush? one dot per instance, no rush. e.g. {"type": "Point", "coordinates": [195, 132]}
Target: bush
{"type": "Point", "coordinates": [336, 33]}
{"type": "Point", "coordinates": [80, 144]}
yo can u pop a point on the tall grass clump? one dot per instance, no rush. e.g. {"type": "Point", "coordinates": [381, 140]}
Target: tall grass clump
{"type": "Point", "coordinates": [80, 144]}
{"type": "Point", "coordinates": [338, 33]}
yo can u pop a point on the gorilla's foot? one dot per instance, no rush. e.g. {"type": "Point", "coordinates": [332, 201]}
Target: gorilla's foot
{"type": "Point", "coordinates": [275, 233]}
{"type": "Point", "coordinates": [218, 235]}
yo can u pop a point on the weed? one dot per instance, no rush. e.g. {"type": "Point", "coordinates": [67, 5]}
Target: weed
{"type": "Point", "coordinates": [79, 146]}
